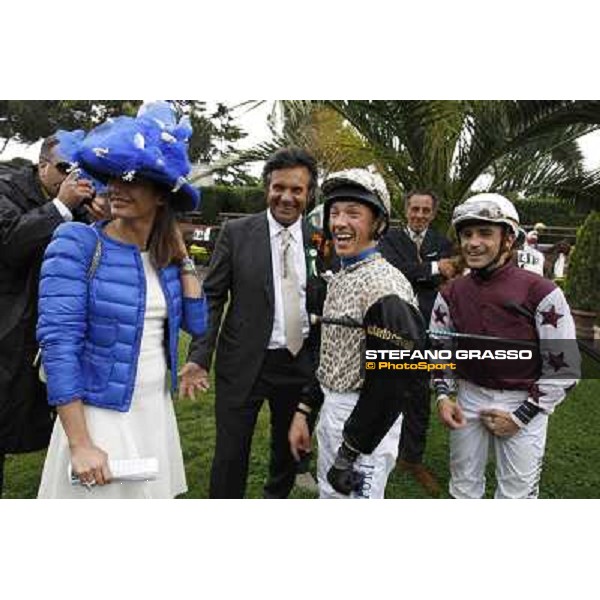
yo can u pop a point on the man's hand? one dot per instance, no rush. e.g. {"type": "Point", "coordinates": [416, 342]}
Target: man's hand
{"type": "Point", "coordinates": [99, 208]}
{"type": "Point", "coordinates": [299, 436]}
{"type": "Point", "coordinates": [342, 477]}
{"type": "Point", "coordinates": [499, 422]}
{"type": "Point", "coordinates": [74, 191]}
{"type": "Point", "coordinates": [450, 413]}
{"type": "Point", "coordinates": [194, 378]}
{"type": "Point", "coordinates": [447, 268]}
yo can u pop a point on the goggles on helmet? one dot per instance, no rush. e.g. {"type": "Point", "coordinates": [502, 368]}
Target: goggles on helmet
{"type": "Point", "coordinates": [483, 210]}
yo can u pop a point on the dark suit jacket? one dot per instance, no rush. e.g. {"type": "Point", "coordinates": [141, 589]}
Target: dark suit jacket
{"type": "Point", "coordinates": [240, 272]}
{"type": "Point", "coordinates": [397, 247]}
{"type": "Point", "coordinates": [27, 221]}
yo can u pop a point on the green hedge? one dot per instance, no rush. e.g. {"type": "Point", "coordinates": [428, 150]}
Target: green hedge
{"type": "Point", "coordinates": [582, 288]}
{"type": "Point", "coordinates": [220, 198]}
{"type": "Point", "coordinates": [550, 211]}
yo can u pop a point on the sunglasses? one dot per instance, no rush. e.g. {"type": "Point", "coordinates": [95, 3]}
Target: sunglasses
{"type": "Point", "coordinates": [63, 167]}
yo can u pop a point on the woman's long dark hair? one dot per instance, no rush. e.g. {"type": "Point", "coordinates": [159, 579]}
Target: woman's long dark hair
{"type": "Point", "coordinates": [163, 244]}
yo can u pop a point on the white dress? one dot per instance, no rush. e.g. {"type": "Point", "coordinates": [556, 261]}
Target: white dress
{"type": "Point", "coordinates": [147, 430]}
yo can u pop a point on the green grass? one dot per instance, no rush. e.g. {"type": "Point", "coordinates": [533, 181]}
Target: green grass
{"type": "Point", "coordinates": [570, 467]}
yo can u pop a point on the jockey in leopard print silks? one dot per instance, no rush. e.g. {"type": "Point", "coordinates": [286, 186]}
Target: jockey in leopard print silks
{"type": "Point", "coordinates": [351, 293]}
{"type": "Point", "coordinates": [360, 420]}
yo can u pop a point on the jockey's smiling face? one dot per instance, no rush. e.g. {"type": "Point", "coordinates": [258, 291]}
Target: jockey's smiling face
{"type": "Point", "coordinates": [352, 225]}
{"type": "Point", "coordinates": [482, 242]}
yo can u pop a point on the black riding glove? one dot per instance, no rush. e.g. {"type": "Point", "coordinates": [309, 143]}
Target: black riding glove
{"type": "Point", "coordinates": [342, 476]}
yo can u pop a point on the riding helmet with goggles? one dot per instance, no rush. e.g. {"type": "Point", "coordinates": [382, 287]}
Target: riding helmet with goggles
{"type": "Point", "coordinates": [494, 209]}
{"type": "Point", "coordinates": [489, 208]}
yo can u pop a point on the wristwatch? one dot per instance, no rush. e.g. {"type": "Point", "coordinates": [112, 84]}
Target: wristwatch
{"type": "Point", "coordinates": [188, 266]}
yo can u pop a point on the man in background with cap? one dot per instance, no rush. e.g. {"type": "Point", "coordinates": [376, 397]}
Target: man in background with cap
{"type": "Point", "coordinates": [360, 420]}
{"type": "Point", "coordinates": [261, 266]}
{"type": "Point", "coordinates": [34, 201]}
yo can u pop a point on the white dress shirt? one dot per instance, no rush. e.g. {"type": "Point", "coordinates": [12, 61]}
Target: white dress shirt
{"type": "Point", "coordinates": [63, 209]}
{"type": "Point", "coordinates": [435, 267]}
{"type": "Point", "coordinates": [297, 243]}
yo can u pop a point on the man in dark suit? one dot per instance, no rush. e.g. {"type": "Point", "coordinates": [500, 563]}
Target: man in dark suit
{"type": "Point", "coordinates": [34, 201]}
{"type": "Point", "coordinates": [422, 254]}
{"type": "Point", "coordinates": [262, 266]}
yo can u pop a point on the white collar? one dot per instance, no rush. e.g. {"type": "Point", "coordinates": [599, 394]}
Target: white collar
{"type": "Point", "coordinates": [275, 227]}
{"type": "Point", "coordinates": [414, 235]}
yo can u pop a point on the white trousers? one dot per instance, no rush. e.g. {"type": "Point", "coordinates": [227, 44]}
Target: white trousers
{"type": "Point", "coordinates": [376, 466]}
{"type": "Point", "coordinates": [518, 458]}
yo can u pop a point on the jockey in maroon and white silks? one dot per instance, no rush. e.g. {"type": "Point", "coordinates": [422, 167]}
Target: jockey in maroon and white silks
{"type": "Point", "coordinates": [500, 300]}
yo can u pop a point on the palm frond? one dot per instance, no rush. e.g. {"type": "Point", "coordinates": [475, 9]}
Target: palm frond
{"type": "Point", "coordinates": [521, 146]}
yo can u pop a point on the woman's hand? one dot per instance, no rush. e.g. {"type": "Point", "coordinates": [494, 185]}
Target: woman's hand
{"type": "Point", "coordinates": [90, 464]}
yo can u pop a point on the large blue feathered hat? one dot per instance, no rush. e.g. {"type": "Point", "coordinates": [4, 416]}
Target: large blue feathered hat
{"type": "Point", "coordinates": [68, 144]}
{"type": "Point", "coordinates": [66, 150]}
{"type": "Point", "coordinates": [150, 146]}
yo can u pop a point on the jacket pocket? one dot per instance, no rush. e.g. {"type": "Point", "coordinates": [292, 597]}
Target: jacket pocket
{"type": "Point", "coordinates": [97, 372]}
{"type": "Point", "coordinates": [103, 332]}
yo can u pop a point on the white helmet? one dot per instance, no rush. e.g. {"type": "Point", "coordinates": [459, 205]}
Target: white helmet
{"type": "Point", "coordinates": [490, 208]}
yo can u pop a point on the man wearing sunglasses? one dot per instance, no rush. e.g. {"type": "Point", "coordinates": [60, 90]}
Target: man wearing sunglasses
{"type": "Point", "coordinates": [34, 201]}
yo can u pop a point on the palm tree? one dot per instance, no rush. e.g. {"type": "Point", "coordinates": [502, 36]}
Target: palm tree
{"type": "Point", "coordinates": [313, 125]}
{"type": "Point", "coordinates": [521, 147]}
{"type": "Point", "coordinates": [506, 146]}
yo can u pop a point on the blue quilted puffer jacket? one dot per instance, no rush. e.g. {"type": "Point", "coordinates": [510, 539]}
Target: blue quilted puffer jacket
{"type": "Point", "coordinates": [90, 326]}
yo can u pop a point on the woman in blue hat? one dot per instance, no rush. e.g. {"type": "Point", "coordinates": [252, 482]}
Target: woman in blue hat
{"type": "Point", "coordinates": [112, 299]}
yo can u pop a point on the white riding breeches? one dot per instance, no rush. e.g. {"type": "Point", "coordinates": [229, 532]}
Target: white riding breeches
{"type": "Point", "coordinates": [376, 466]}
{"type": "Point", "coordinates": [518, 457]}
